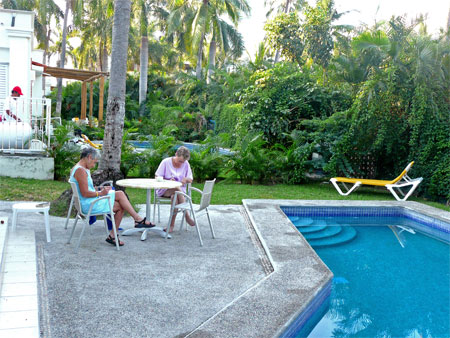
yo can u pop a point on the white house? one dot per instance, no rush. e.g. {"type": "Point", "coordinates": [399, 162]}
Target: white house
{"type": "Point", "coordinates": [27, 135]}
{"type": "Point", "coordinates": [16, 54]}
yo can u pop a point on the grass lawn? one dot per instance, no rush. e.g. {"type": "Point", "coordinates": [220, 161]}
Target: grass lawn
{"type": "Point", "coordinates": [19, 189]}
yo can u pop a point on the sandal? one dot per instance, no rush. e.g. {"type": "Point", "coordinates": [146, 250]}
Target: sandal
{"type": "Point", "coordinates": [142, 224]}
{"type": "Point", "coordinates": [112, 241]}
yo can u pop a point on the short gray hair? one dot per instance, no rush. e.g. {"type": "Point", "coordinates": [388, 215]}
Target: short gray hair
{"type": "Point", "coordinates": [183, 152]}
{"type": "Point", "coordinates": [86, 151]}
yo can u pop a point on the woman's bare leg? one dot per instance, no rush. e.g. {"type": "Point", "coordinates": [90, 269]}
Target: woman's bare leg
{"type": "Point", "coordinates": [171, 193]}
{"type": "Point", "coordinates": [118, 215]}
{"type": "Point", "coordinates": [125, 204]}
{"type": "Point", "coordinates": [180, 199]}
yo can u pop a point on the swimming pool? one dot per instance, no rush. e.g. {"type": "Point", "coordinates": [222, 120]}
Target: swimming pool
{"type": "Point", "coordinates": [391, 271]}
{"type": "Point", "coordinates": [190, 146]}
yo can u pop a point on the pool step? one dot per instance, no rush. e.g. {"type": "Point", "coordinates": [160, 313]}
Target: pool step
{"type": "Point", "coordinates": [301, 222]}
{"type": "Point", "coordinates": [321, 233]}
{"type": "Point", "coordinates": [347, 234]}
{"type": "Point", "coordinates": [327, 232]}
{"type": "Point", "coordinates": [311, 228]}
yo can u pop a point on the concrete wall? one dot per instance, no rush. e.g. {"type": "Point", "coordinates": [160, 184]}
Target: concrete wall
{"type": "Point", "coordinates": [40, 168]}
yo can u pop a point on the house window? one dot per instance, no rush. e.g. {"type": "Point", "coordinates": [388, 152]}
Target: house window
{"type": "Point", "coordinates": [3, 84]}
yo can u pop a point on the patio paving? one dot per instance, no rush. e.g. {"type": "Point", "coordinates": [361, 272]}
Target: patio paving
{"type": "Point", "coordinates": [154, 288]}
{"type": "Point", "coordinates": [251, 281]}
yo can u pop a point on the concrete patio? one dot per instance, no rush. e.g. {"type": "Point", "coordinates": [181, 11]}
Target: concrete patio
{"type": "Point", "coordinates": [251, 281]}
{"type": "Point", "coordinates": [230, 287]}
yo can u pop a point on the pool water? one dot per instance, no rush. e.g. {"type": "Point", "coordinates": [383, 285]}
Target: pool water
{"type": "Point", "coordinates": [190, 146]}
{"type": "Point", "coordinates": [388, 281]}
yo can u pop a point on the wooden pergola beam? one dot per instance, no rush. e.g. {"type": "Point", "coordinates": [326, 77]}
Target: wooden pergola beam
{"type": "Point", "coordinates": [92, 78]}
{"type": "Point", "coordinates": [84, 76]}
{"type": "Point", "coordinates": [91, 102]}
{"type": "Point", "coordinates": [83, 100]}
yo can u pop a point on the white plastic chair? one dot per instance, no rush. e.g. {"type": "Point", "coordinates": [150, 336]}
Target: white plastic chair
{"type": "Point", "coordinates": [200, 210]}
{"type": "Point", "coordinates": [85, 217]}
{"type": "Point", "coordinates": [165, 200]}
{"type": "Point", "coordinates": [110, 183]}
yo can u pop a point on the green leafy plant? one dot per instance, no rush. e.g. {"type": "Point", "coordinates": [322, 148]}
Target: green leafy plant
{"type": "Point", "coordinates": [162, 146]}
{"type": "Point", "coordinates": [252, 162]}
{"type": "Point", "coordinates": [206, 161]}
{"type": "Point", "coordinates": [65, 154]}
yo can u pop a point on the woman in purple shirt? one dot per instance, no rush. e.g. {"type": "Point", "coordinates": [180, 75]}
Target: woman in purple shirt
{"type": "Point", "coordinates": [176, 168]}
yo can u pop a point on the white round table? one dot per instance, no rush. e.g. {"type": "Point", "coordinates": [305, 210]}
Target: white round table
{"type": "Point", "coordinates": [148, 184]}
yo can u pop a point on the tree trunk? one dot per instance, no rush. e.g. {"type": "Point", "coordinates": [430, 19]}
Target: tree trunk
{"type": "Point", "coordinates": [198, 69]}
{"type": "Point", "coordinates": [62, 60]}
{"type": "Point", "coordinates": [212, 60]}
{"type": "Point", "coordinates": [100, 58]}
{"type": "Point", "coordinates": [277, 56]}
{"type": "Point", "coordinates": [144, 70]}
{"type": "Point", "coordinates": [105, 58]}
{"type": "Point", "coordinates": [109, 166]}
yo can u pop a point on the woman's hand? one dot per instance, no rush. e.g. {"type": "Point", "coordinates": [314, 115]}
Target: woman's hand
{"type": "Point", "coordinates": [104, 191]}
{"type": "Point", "coordinates": [186, 180]}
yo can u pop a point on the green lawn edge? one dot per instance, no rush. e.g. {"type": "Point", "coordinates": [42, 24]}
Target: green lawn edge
{"type": "Point", "coordinates": [20, 189]}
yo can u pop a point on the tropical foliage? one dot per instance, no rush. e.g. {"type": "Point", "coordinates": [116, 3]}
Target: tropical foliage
{"type": "Point", "coordinates": [341, 100]}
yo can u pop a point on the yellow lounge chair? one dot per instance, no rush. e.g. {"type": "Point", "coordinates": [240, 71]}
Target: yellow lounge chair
{"type": "Point", "coordinates": [400, 182]}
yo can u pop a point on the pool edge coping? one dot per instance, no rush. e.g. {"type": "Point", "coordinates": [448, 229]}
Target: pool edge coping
{"type": "Point", "coordinates": [275, 302]}
{"type": "Point", "coordinates": [408, 205]}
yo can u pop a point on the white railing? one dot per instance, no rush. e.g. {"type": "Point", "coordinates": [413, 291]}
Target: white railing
{"type": "Point", "coordinates": [27, 127]}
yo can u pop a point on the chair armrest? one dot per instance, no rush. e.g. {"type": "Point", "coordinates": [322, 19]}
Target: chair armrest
{"type": "Point", "coordinates": [183, 194]}
{"type": "Point", "coordinates": [110, 183]}
{"type": "Point", "coordinates": [98, 199]}
{"type": "Point", "coordinates": [197, 190]}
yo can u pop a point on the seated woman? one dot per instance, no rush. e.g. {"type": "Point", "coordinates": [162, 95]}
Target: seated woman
{"type": "Point", "coordinates": [176, 168]}
{"type": "Point", "coordinates": [81, 175]}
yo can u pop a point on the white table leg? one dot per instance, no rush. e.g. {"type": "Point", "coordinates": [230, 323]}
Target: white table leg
{"type": "Point", "coordinates": [14, 220]}
{"type": "Point", "coordinates": [147, 211]}
{"type": "Point", "coordinates": [47, 225]}
{"type": "Point", "coordinates": [156, 230]}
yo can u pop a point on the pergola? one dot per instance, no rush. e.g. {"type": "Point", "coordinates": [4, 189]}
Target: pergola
{"type": "Point", "coordinates": [85, 76]}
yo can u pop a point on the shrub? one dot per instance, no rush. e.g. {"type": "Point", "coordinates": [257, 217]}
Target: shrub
{"type": "Point", "coordinates": [252, 162]}
{"type": "Point", "coordinates": [227, 118]}
{"type": "Point", "coordinates": [206, 162]}
{"type": "Point", "coordinates": [64, 153]}
{"type": "Point", "coordinates": [280, 98]}
{"type": "Point", "coordinates": [162, 146]}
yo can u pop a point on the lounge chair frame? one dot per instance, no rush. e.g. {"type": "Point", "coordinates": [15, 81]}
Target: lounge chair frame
{"type": "Point", "coordinates": [405, 182]}
{"type": "Point", "coordinates": [395, 186]}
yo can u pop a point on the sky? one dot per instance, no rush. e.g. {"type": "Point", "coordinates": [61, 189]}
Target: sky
{"type": "Point", "coordinates": [362, 11]}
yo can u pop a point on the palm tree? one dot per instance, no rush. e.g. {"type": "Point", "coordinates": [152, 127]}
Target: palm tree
{"type": "Point", "coordinates": [95, 25]}
{"type": "Point", "coordinates": [282, 6]}
{"type": "Point", "coordinates": [109, 166]}
{"type": "Point", "coordinates": [62, 59]}
{"type": "Point", "coordinates": [143, 60]}
{"type": "Point", "coordinates": [320, 32]}
{"type": "Point", "coordinates": [202, 19]}
{"type": "Point", "coordinates": [228, 40]}
{"type": "Point", "coordinates": [76, 6]}
{"type": "Point", "coordinates": [261, 57]}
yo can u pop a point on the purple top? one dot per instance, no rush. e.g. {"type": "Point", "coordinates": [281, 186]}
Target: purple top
{"type": "Point", "coordinates": [168, 172]}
